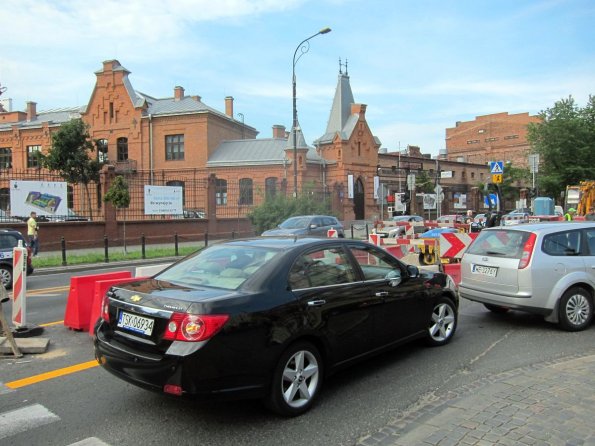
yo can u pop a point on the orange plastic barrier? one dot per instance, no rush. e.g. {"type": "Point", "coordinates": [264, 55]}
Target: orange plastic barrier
{"type": "Point", "coordinates": [101, 287]}
{"type": "Point", "coordinates": [80, 298]}
{"type": "Point", "coordinates": [454, 271]}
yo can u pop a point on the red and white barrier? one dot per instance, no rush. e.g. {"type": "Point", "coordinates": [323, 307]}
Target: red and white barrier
{"type": "Point", "coordinates": [80, 298]}
{"type": "Point", "coordinates": [454, 244]}
{"type": "Point", "coordinates": [19, 285]}
{"type": "Point", "coordinates": [332, 232]}
{"type": "Point", "coordinates": [375, 239]}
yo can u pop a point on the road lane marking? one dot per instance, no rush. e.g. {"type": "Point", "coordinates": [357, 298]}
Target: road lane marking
{"type": "Point", "coordinates": [49, 324]}
{"type": "Point", "coordinates": [21, 420]}
{"type": "Point", "coordinates": [51, 375]}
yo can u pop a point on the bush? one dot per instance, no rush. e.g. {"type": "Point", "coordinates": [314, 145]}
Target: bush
{"type": "Point", "coordinates": [273, 211]}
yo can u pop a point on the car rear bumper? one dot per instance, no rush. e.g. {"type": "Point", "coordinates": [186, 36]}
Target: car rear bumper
{"type": "Point", "coordinates": [198, 375]}
{"type": "Point", "coordinates": [519, 302]}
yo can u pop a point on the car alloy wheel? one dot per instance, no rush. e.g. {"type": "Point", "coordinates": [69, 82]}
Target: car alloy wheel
{"type": "Point", "coordinates": [297, 380]}
{"type": "Point", "coordinates": [443, 322]}
{"type": "Point", "coordinates": [576, 309]}
{"type": "Point", "coordinates": [6, 276]}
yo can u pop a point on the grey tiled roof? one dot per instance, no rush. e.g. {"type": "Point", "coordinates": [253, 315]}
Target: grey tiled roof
{"type": "Point", "coordinates": [55, 116]}
{"type": "Point", "coordinates": [257, 152]}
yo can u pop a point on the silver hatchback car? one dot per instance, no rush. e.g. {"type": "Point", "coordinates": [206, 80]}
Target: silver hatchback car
{"type": "Point", "coordinates": [541, 268]}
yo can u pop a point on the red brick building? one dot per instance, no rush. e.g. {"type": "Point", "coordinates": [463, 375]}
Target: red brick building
{"type": "Point", "coordinates": [495, 137]}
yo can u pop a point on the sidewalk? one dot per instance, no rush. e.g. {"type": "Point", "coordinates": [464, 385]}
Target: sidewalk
{"type": "Point", "coordinates": [547, 404]}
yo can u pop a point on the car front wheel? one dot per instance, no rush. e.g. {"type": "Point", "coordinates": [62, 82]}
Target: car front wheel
{"type": "Point", "coordinates": [443, 322]}
{"type": "Point", "coordinates": [6, 276]}
{"type": "Point", "coordinates": [296, 381]}
{"type": "Point", "coordinates": [576, 309]}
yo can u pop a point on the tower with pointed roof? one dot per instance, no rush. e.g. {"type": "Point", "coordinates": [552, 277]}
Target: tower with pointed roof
{"type": "Point", "coordinates": [350, 154]}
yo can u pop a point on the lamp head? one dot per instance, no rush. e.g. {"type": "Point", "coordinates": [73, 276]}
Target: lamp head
{"type": "Point", "coordinates": [324, 30]}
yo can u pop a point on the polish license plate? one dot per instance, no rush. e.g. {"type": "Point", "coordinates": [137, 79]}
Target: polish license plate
{"type": "Point", "coordinates": [136, 323]}
{"type": "Point", "coordinates": [489, 271]}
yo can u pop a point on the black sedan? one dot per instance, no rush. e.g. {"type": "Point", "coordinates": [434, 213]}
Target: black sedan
{"type": "Point", "coordinates": [269, 318]}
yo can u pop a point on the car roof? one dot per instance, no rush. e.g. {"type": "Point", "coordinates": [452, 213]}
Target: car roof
{"type": "Point", "coordinates": [546, 226]}
{"type": "Point", "coordinates": [285, 242]}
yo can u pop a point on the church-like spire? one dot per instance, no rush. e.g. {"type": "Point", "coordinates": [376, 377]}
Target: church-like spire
{"type": "Point", "coordinates": [341, 109]}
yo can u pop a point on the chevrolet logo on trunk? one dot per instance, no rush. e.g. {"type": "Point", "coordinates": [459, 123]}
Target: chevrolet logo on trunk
{"type": "Point", "coordinates": [136, 298]}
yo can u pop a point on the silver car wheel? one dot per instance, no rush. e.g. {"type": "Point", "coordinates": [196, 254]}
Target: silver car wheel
{"type": "Point", "coordinates": [6, 277]}
{"type": "Point", "coordinates": [443, 322]}
{"type": "Point", "coordinates": [577, 309]}
{"type": "Point", "coordinates": [300, 379]}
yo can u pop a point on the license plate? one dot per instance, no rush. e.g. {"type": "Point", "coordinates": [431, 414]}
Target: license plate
{"type": "Point", "coordinates": [489, 271]}
{"type": "Point", "coordinates": [136, 323]}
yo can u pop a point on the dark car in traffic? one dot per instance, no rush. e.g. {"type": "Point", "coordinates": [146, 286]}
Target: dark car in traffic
{"type": "Point", "coordinates": [9, 239]}
{"type": "Point", "coordinates": [317, 225]}
{"type": "Point", "coordinates": [269, 318]}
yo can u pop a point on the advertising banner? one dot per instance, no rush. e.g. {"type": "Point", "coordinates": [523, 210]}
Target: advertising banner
{"type": "Point", "coordinates": [44, 197]}
{"type": "Point", "coordinates": [163, 200]}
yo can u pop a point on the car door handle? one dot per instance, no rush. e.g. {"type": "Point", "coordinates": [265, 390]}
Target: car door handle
{"type": "Point", "coordinates": [316, 303]}
{"type": "Point", "coordinates": [381, 294]}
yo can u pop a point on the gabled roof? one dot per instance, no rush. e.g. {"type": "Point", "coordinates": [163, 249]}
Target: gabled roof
{"type": "Point", "coordinates": [259, 152]}
{"type": "Point", "coordinates": [52, 117]}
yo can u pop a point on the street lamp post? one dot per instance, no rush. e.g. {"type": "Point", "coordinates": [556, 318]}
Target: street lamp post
{"type": "Point", "coordinates": [303, 47]}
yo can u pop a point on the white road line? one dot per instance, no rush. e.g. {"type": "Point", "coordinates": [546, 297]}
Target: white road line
{"type": "Point", "coordinates": [21, 420]}
{"type": "Point", "coordinates": [91, 441]}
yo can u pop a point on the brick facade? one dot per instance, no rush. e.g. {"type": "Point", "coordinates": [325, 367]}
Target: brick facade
{"type": "Point", "coordinates": [495, 137]}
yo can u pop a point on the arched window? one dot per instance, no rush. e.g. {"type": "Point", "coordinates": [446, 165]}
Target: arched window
{"type": "Point", "coordinates": [270, 188]}
{"type": "Point", "coordinates": [181, 184]}
{"type": "Point", "coordinates": [246, 191]}
{"type": "Point", "coordinates": [5, 158]}
{"type": "Point", "coordinates": [122, 147]}
{"type": "Point", "coordinates": [221, 192]}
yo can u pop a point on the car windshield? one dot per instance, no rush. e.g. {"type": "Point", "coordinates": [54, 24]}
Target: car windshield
{"type": "Point", "coordinates": [295, 223]}
{"type": "Point", "coordinates": [501, 243]}
{"type": "Point", "coordinates": [225, 267]}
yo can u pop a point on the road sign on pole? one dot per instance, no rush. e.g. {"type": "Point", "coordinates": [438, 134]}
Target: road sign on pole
{"type": "Point", "coordinates": [496, 167]}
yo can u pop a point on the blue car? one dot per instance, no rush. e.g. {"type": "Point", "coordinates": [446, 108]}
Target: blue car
{"type": "Point", "coordinates": [435, 232]}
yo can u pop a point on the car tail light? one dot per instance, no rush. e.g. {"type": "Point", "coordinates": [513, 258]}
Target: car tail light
{"type": "Point", "coordinates": [105, 307]}
{"type": "Point", "coordinates": [173, 389]}
{"type": "Point", "coordinates": [193, 327]}
{"type": "Point", "coordinates": [527, 251]}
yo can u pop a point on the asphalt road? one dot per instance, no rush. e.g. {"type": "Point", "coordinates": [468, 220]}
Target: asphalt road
{"type": "Point", "coordinates": [355, 403]}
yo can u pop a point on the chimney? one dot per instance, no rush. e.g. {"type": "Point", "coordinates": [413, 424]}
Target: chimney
{"type": "Point", "coordinates": [31, 110]}
{"type": "Point", "coordinates": [178, 93]}
{"type": "Point", "coordinates": [196, 98]}
{"type": "Point", "coordinates": [279, 131]}
{"type": "Point", "coordinates": [359, 109]}
{"type": "Point", "coordinates": [229, 106]}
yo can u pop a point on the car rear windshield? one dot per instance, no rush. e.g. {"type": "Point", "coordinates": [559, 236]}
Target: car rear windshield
{"type": "Point", "coordinates": [501, 243]}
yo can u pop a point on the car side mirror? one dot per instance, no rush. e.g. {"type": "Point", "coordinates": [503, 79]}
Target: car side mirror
{"type": "Point", "coordinates": [413, 271]}
{"type": "Point", "coordinates": [313, 226]}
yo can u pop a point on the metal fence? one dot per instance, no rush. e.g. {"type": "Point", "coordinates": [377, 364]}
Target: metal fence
{"type": "Point", "coordinates": [231, 198]}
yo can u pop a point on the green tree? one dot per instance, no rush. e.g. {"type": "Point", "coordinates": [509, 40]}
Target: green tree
{"type": "Point", "coordinates": [565, 141]}
{"type": "Point", "coordinates": [424, 183]}
{"type": "Point", "coordinates": [70, 156]}
{"type": "Point", "coordinates": [274, 210]}
{"type": "Point", "coordinates": [118, 194]}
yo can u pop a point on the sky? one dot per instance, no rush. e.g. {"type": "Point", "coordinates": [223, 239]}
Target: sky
{"type": "Point", "coordinates": [420, 66]}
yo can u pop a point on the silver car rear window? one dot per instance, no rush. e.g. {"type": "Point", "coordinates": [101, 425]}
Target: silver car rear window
{"type": "Point", "coordinates": [501, 243]}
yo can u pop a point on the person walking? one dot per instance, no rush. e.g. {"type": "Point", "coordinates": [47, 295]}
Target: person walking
{"type": "Point", "coordinates": [569, 215]}
{"type": "Point", "coordinates": [33, 233]}
{"type": "Point", "coordinates": [591, 215]}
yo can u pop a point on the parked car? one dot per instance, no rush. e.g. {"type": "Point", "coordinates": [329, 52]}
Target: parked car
{"type": "Point", "coordinates": [515, 218]}
{"type": "Point", "coordinates": [9, 239]}
{"type": "Point", "coordinates": [194, 213]}
{"type": "Point", "coordinates": [453, 218]}
{"type": "Point", "coordinates": [541, 268]}
{"type": "Point", "coordinates": [307, 225]}
{"type": "Point", "coordinates": [269, 318]}
{"type": "Point", "coordinates": [401, 229]}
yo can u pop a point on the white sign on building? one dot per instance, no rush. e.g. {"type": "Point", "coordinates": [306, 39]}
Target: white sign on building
{"type": "Point", "coordinates": [163, 200]}
{"type": "Point", "coordinates": [43, 197]}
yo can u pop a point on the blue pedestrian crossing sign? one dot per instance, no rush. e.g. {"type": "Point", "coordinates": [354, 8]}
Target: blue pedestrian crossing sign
{"type": "Point", "coordinates": [496, 167]}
